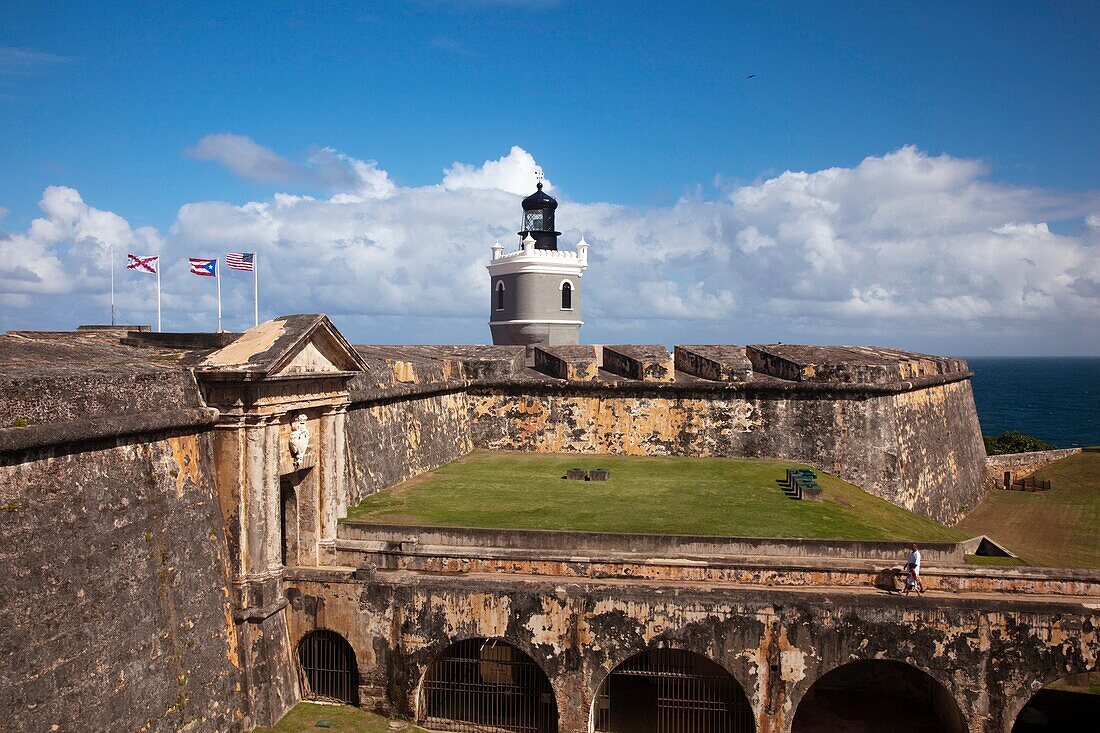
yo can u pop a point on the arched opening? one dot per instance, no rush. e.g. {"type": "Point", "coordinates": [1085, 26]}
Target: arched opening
{"type": "Point", "coordinates": [671, 690]}
{"type": "Point", "coordinates": [1071, 703]}
{"type": "Point", "coordinates": [487, 684]}
{"type": "Point", "coordinates": [878, 695]}
{"type": "Point", "coordinates": [500, 295]}
{"type": "Point", "coordinates": [326, 664]}
{"type": "Point", "coordinates": [566, 295]}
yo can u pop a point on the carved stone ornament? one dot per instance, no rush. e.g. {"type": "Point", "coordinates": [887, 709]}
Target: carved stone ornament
{"type": "Point", "coordinates": [299, 440]}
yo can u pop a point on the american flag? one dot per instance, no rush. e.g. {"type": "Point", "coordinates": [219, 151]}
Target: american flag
{"type": "Point", "coordinates": [203, 268]}
{"type": "Point", "coordinates": [241, 261]}
{"type": "Point", "coordinates": [143, 264]}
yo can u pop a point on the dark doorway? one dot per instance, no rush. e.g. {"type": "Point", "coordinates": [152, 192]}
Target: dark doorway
{"type": "Point", "coordinates": [327, 665]}
{"type": "Point", "coordinates": [487, 684]}
{"type": "Point", "coordinates": [1071, 703]}
{"type": "Point", "coordinates": [878, 696]}
{"type": "Point", "coordinates": [288, 517]}
{"type": "Point", "coordinates": [671, 691]}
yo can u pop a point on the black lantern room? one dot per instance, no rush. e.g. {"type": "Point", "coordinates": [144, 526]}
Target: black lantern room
{"type": "Point", "coordinates": [538, 219]}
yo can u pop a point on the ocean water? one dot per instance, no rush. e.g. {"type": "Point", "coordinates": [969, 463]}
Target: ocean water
{"type": "Point", "coordinates": [1056, 399]}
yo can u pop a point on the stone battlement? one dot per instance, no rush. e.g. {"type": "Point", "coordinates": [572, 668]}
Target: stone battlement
{"type": "Point", "coordinates": [51, 376]}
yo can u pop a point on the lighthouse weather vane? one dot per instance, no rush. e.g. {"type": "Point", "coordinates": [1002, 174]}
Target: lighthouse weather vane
{"type": "Point", "coordinates": [538, 175]}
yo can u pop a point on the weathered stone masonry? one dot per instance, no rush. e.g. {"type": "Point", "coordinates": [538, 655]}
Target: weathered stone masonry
{"type": "Point", "coordinates": [164, 550]}
{"type": "Point", "coordinates": [991, 655]}
{"type": "Point", "coordinates": [114, 589]}
{"type": "Point", "coordinates": [918, 447]}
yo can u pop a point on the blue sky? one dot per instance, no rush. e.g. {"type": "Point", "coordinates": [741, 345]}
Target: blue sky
{"type": "Point", "coordinates": [639, 107]}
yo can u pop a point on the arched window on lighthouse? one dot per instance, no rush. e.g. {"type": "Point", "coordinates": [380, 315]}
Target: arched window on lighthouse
{"type": "Point", "coordinates": [500, 295]}
{"type": "Point", "coordinates": [566, 295]}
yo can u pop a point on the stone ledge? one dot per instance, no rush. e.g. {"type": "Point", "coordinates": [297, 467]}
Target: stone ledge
{"type": "Point", "coordinates": [319, 574]}
{"type": "Point", "coordinates": [119, 425]}
{"type": "Point", "coordinates": [754, 388]}
{"type": "Point", "coordinates": [383, 395]}
{"type": "Point", "coordinates": [767, 596]}
{"type": "Point", "coordinates": [665, 546]}
{"type": "Point", "coordinates": [832, 364]}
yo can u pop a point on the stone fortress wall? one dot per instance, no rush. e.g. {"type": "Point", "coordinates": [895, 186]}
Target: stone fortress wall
{"type": "Point", "coordinates": [122, 510]}
{"type": "Point", "coordinates": [1022, 465]}
{"type": "Point", "coordinates": [114, 564]}
{"type": "Point", "coordinates": [906, 431]}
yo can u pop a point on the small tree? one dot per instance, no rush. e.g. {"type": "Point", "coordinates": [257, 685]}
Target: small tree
{"type": "Point", "coordinates": [1013, 441]}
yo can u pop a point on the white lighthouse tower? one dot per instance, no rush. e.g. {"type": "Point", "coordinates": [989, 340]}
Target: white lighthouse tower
{"type": "Point", "coordinates": [536, 290]}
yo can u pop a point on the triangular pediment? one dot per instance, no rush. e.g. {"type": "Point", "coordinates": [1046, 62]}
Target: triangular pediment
{"type": "Point", "coordinates": [286, 346]}
{"type": "Point", "coordinates": [318, 355]}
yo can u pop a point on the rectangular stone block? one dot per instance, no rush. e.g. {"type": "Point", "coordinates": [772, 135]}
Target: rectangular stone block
{"type": "Point", "coordinates": [573, 363]}
{"type": "Point", "coordinates": [646, 363]}
{"type": "Point", "coordinates": [848, 364]}
{"type": "Point", "coordinates": [720, 363]}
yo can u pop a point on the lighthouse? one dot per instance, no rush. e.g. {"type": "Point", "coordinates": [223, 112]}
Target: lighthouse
{"type": "Point", "coordinates": [536, 289]}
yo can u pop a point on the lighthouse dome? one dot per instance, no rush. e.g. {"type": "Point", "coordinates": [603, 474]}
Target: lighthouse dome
{"type": "Point", "coordinates": [540, 200]}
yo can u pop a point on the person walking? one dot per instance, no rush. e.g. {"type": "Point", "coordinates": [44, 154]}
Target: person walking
{"type": "Point", "coordinates": [912, 571]}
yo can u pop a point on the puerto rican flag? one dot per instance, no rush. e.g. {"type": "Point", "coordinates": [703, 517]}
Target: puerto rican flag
{"type": "Point", "coordinates": [203, 268]}
{"type": "Point", "coordinates": [143, 264]}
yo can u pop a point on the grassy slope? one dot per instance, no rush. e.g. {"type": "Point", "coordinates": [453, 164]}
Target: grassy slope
{"type": "Point", "coordinates": [654, 495]}
{"type": "Point", "coordinates": [303, 718]}
{"type": "Point", "coordinates": [1056, 528]}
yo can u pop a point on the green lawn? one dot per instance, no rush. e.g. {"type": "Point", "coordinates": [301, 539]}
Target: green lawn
{"type": "Point", "coordinates": [1056, 528]}
{"type": "Point", "coordinates": [993, 560]}
{"type": "Point", "coordinates": [649, 495]}
{"type": "Point", "coordinates": [304, 716]}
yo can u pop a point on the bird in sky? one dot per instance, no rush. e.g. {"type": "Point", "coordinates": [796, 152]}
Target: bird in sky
{"type": "Point", "coordinates": [751, 76]}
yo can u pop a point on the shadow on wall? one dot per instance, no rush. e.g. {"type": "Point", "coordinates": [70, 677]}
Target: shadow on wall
{"type": "Point", "coordinates": [1071, 703]}
{"type": "Point", "coordinates": [881, 696]}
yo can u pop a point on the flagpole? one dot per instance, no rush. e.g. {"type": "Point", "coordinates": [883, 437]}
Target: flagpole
{"type": "Point", "coordinates": [158, 295]}
{"type": "Point", "coordinates": [111, 267]}
{"type": "Point", "coordinates": [256, 289]}
{"type": "Point", "coordinates": [218, 277]}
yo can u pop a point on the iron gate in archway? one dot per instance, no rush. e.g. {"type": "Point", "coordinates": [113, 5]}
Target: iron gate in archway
{"type": "Point", "coordinates": [487, 685]}
{"type": "Point", "coordinates": [671, 691]}
{"type": "Point", "coordinates": [328, 669]}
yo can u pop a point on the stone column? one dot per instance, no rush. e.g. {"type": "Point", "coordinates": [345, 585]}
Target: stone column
{"type": "Point", "coordinates": [273, 498]}
{"type": "Point", "coordinates": [327, 489]}
{"type": "Point", "coordinates": [255, 497]}
{"type": "Point", "coordinates": [341, 465]}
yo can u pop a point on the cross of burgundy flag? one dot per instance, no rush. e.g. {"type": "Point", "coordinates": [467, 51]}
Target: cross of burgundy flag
{"type": "Point", "coordinates": [143, 264]}
{"type": "Point", "coordinates": [203, 268]}
{"type": "Point", "coordinates": [150, 265]}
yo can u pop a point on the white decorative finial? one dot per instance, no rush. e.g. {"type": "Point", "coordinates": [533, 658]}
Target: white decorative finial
{"type": "Point", "coordinates": [582, 252]}
{"type": "Point", "coordinates": [528, 242]}
{"type": "Point", "coordinates": [498, 249]}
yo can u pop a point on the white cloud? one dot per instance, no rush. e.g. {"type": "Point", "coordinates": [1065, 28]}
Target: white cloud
{"type": "Point", "coordinates": [58, 267]}
{"type": "Point", "coordinates": [903, 249]}
{"type": "Point", "coordinates": [245, 157]}
{"type": "Point", "coordinates": [514, 173]}
{"type": "Point", "coordinates": [356, 180]}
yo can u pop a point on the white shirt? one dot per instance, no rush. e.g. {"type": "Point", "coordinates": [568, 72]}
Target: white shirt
{"type": "Point", "coordinates": [914, 559]}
